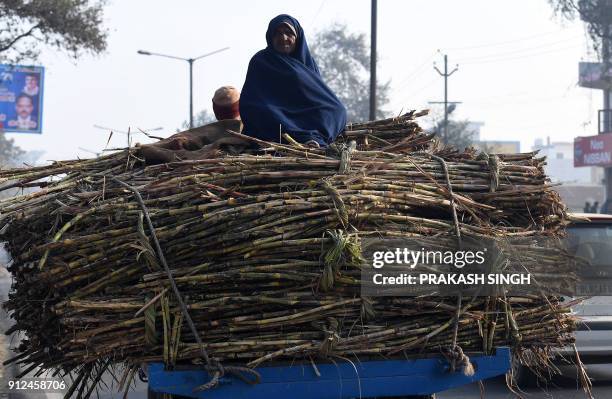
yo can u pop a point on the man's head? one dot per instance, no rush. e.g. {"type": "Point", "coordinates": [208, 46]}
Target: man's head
{"type": "Point", "coordinates": [284, 38]}
{"type": "Point", "coordinates": [31, 82]}
{"type": "Point", "coordinates": [24, 106]}
{"type": "Point", "coordinates": [226, 103]}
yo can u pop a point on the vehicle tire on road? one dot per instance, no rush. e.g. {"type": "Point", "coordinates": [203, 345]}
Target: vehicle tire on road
{"type": "Point", "coordinates": [523, 377]}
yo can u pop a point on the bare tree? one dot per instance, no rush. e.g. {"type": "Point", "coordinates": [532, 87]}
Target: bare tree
{"type": "Point", "coordinates": [344, 61]}
{"type": "Point", "coordinates": [200, 119]}
{"type": "Point", "coordinates": [72, 26]}
{"type": "Point", "coordinates": [597, 15]}
{"type": "Point", "coordinates": [458, 135]}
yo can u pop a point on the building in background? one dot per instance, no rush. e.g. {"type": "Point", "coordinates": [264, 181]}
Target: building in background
{"type": "Point", "coordinates": [491, 146]}
{"type": "Point", "coordinates": [474, 129]}
{"type": "Point", "coordinates": [498, 146]}
{"type": "Point", "coordinates": [579, 185]}
{"type": "Point", "coordinates": [560, 163]}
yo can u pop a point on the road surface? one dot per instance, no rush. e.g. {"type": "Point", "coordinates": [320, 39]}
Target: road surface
{"type": "Point", "coordinates": [562, 387]}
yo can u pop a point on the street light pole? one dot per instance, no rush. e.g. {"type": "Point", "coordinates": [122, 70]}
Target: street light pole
{"type": "Point", "coordinates": [190, 61]}
{"type": "Point", "coordinates": [190, 93]}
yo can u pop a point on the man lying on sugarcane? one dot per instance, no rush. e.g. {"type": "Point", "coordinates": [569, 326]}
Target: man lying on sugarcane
{"type": "Point", "coordinates": [285, 93]}
{"type": "Point", "coordinates": [205, 141]}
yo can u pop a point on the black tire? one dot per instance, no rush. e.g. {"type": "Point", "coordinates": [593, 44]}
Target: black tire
{"type": "Point", "coordinates": [523, 377]}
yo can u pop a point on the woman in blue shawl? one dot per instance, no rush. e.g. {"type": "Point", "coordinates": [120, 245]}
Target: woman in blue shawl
{"type": "Point", "coordinates": [284, 91]}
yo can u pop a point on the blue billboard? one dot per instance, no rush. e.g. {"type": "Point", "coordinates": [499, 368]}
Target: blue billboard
{"type": "Point", "coordinates": [21, 98]}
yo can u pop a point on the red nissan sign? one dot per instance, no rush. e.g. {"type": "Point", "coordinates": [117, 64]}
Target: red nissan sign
{"type": "Point", "coordinates": [593, 150]}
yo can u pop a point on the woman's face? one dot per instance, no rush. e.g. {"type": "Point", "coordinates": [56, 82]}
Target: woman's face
{"type": "Point", "coordinates": [284, 39]}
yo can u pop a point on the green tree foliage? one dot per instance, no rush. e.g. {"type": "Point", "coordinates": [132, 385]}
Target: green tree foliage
{"type": "Point", "coordinates": [72, 26]}
{"type": "Point", "coordinates": [344, 61]}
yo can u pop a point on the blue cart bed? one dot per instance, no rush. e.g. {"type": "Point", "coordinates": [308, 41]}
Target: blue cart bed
{"type": "Point", "coordinates": [367, 379]}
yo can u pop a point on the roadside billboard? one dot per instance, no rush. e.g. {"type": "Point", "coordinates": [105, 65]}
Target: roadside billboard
{"type": "Point", "coordinates": [593, 76]}
{"type": "Point", "coordinates": [21, 98]}
{"type": "Point", "coordinates": [593, 150]}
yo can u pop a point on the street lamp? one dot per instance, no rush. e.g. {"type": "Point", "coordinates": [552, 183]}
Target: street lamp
{"type": "Point", "coordinates": [190, 61]}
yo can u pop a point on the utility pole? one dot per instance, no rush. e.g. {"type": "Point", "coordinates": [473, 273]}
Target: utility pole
{"type": "Point", "coordinates": [190, 61]}
{"type": "Point", "coordinates": [605, 59]}
{"type": "Point", "coordinates": [598, 14]}
{"type": "Point", "coordinates": [445, 75]}
{"type": "Point", "coordinates": [373, 61]}
{"type": "Point", "coordinates": [604, 8]}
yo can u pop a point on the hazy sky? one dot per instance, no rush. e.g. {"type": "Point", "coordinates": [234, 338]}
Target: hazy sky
{"type": "Point", "coordinates": [518, 65]}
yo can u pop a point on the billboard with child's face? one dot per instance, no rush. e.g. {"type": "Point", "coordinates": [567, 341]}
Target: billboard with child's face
{"type": "Point", "coordinates": [21, 98]}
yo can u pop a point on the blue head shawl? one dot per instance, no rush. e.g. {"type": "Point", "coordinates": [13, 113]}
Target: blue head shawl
{"type": "Point", "coordinates": [287, 90]}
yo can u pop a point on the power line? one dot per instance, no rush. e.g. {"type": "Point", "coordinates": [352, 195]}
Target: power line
{"type": "Point", "coordinates": [419, 90]}
{"type": "Point", "coordinates": [317, 13]}
{"type": "Point", "coordinates": [529, 55]}
{"type": "Point", "coordinates": [421, 67]}
{"type": "Point", "coordinates": [416, 71]}
{"type": "Point", "coordinates": [512, 98]}
{"type": "Point", "coordinates": [486, 57]}
{"type": "Point", "coordinates": [519, 102]}
{"type": "Point", "coordinates": [522, 50]}
{"type": "Point", "coordinates": [496, 44]}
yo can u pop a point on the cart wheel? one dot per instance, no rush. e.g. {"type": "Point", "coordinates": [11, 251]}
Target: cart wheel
{"type": "Point", "coordinates": [523, 377]}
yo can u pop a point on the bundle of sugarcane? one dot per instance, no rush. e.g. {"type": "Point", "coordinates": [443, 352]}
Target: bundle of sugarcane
{"type": "Point", "coordinates": [399, 134]}
{"type": "Point", "coordinates": [264, 250]}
